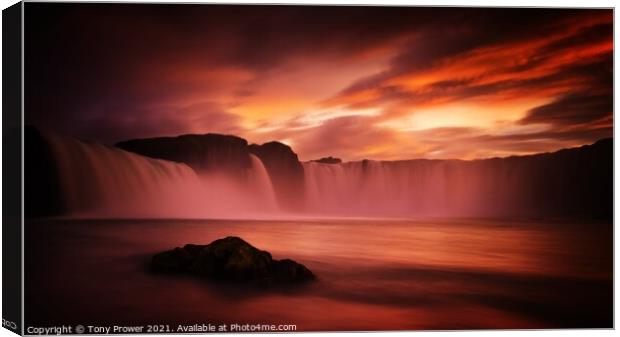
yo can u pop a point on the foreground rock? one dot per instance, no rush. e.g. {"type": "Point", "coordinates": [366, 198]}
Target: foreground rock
{"type": "Point", "coordinates": [230, 259]}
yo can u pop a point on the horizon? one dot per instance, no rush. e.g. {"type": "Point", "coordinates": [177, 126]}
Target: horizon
{"type": "Point", "coordinates": [115, 145]}
{"type": "Point", "coordinates": [386, 82]}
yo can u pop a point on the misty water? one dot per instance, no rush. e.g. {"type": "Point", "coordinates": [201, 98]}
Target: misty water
{"type": "Point", "coordinates": [372, 274]}
{"type": "Point", "coordinates": [98, 181]}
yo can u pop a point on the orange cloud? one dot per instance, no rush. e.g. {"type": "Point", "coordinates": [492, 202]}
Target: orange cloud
{"type": "Point", "coordinates": [352, 82]}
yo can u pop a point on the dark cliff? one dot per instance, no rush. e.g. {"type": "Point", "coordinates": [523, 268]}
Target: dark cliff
{"type": "Point", "coordinates": [201, 152]}
{"type": "Point", "coordinates": [570, 182]}
{"type": "Point", "coordinates": [230, 154]}
{"type": "Point", "coordinates": [285, 171]}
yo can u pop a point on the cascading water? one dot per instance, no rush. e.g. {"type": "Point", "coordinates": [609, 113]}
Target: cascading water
{"type": "Point", "coordinates": [409, 188]}
{"type": "Point", "coordinates": [258, 177]}
{"type": "Point", "coordinates": [246, 195]}
{"type": "Point", "coordinates": [103, 181]}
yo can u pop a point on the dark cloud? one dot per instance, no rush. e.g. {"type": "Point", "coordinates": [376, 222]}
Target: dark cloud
{"type": "Point", "coordinates": [563, 54]}
{"type": "Point", "coordinates": [108, 72]}
{"type": "Point", "coordinates": [112, 123]}
{"type": "Point", "coordinates": [597, 33]}
{"type": "Point", "coordinates": [87, 57]}
{"type": "Point", "coordinates": [573, 109]}
{"type": "Point", "coordinates": [463, 30]}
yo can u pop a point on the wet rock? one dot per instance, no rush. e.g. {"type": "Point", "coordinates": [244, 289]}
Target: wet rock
{"type": "Point", "coordinates": [230, 259]}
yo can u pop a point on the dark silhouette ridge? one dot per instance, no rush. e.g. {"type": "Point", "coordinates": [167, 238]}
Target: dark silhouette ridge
{"type": "Point", "coordinates": [201, 152]}
{"type": "Point", "coordinates": [575, 182]}
{"type": "Point", "coordinates": [328, 160]}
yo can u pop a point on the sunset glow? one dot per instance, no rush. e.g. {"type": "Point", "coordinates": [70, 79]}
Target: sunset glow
{"type": "Point", "coordinates": [379, 83]}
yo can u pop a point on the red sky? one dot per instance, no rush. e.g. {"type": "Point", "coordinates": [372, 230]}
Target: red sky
{"type": "Point", "coordinates": [351, 82]}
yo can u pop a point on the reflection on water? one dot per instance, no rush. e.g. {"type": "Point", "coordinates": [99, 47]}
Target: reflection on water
{"type": "Point", "coordinates": [373, 275]}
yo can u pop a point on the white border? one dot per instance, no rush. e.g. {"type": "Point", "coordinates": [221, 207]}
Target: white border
{"type": "Point", "coordinates": [470, 3]}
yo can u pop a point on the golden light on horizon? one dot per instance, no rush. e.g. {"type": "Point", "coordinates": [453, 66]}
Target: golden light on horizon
{"type": "Point", "coordinates": [409, 88]}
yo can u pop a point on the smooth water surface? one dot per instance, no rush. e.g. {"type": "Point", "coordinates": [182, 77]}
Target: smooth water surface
{"type": "Point", "coordinates": [372, 274]}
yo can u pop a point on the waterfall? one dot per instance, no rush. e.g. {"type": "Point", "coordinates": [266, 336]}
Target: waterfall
{"type": "Point", "coordinates": [104, 181]}
{"type": "Point", "coordinates": [263, 187]}
{"type": "Point", "coordinates": [410, 188]}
